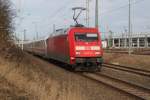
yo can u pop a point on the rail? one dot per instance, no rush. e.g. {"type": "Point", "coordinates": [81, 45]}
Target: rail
{"type": "Point", "coordinates": [128, 88]}
{"type": "Point", "coordinates": [128, 69]}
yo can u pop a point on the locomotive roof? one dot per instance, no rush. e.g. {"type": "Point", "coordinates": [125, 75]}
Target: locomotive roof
{"type": "Point", "coordinates": [59, 32]}
{"type": "Point", "coordinates": [63, 31]}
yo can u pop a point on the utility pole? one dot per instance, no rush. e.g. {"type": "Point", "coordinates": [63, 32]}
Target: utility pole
{"type": "Point", "coordinates": [125, 36]}
{"type": "Point", "coordinates": [24, 34]}
{"type": "Point", "coordinates": [36, 31]}
{"type": "Point", "coordinates": [96, 14]}
{"type": "Point", "coordinates": [37, 34]}
{"type": "Point", "coordinates": [87, 12]}
{"type": "Point", "coordinates": [23, 39]}
{"type": "Point", "coordinates": [54, 28]}
{"type": "Point", "coordinates": [19, 6]}
{"type": "Point", "coordinates": [129, 34]}
{"type": "Point", "coordinates": [15, 37]}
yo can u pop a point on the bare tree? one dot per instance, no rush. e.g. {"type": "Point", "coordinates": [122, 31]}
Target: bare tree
{"type": "Point", "coordinates": [6, 16]}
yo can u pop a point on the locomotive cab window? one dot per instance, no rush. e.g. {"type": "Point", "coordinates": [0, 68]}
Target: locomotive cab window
{"type": "Point", "coordinates": [86, 37]}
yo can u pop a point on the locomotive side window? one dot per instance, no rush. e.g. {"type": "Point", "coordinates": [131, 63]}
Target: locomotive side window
{"type": "Point", "coordinates": [86, 37]}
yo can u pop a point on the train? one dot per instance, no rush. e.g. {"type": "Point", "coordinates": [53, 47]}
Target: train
{"type": "Point", "coordinates": [78, 47]}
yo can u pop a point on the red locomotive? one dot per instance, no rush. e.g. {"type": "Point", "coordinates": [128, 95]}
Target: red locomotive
{"type": "Point", "coordinates": [79, 47]}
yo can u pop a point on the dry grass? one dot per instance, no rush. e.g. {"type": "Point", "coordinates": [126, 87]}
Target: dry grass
{"type": "Point", "coordinates": [137, 61]}
{"type": "Point", "coordinates": [10, 92]}
{"type": "Point", "coordinates": [44, 81]}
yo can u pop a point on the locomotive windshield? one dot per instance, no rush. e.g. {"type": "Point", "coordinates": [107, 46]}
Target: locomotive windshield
{"type": "Point", "coordinates": [87, 37]}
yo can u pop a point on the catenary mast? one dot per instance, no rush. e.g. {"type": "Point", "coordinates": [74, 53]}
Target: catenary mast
{"type": "Point", "coordinates": [96, 15]}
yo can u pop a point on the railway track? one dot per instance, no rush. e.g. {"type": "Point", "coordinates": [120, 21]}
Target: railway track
{"type": "Point", "coordinates": [124, 51]}
{"type": "Point", "coordinates": [120, 85]}
{"type": "Point", "coordinates": [142, 72]}
{"type": "Point", "coordinates": [128, 88]}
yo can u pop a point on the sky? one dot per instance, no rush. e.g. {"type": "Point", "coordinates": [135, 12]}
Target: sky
{"type": "Point", "coordinates": [39, 16]}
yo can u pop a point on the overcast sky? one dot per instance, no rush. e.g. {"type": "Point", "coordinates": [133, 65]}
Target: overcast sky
{"type": "Point", "coordinates": [40, 15]}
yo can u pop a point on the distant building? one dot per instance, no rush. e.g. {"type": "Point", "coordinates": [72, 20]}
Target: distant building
{"type": "Point", "coordinates": [137, 41]}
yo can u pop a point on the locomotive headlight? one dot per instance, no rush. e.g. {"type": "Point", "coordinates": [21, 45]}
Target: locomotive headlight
{"type": "Point", "coordinates": [97, 53]}
{"type": "Point", "coordinates": [78, 53]}
{"type": "Point", "coordinates": [95, 48]}
{"type": "Point", "coordinates": [80, 48]}
{"type": "Point", "coordinates": [72, 58]}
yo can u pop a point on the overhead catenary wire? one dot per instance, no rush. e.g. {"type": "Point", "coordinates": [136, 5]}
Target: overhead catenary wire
{"type": "Point", "coordinates": [62, 14]}
{"type": "Point", "coordinates": [59, 13]}
{"type": "Point", "coordinates": [53, 15]}
{"type": "Point", "coordinates": [102, 14]}
{"type": "Point", "coordinates": [121, 7]}
{"type": "Point", "coordinates": [60, 9]}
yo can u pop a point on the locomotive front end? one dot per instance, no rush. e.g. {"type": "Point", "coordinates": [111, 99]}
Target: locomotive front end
{"type": "Point", "coordinates": [88, 50]}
